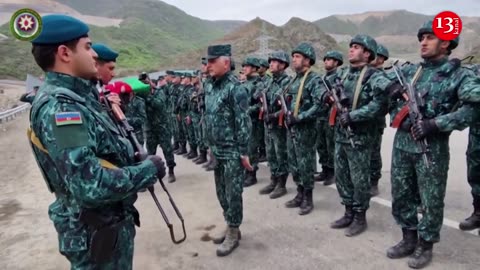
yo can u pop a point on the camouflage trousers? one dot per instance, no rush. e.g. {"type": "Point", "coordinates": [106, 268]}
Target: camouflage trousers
{"type": "Point", "coordinates": [262, 143]}
{"type": "Point", "coordinates": [255, 141]}
{"type": "Point", "coordinates": [162, 136]}
{"type": "Point", "coordinates": [229, 176]}
{"type": "Point", "coordinates": [276, 143]}
{"type": "Point", "coordinates": [352, 172]}
{"type": "Point", "coordinates": [199, 134]}
{"type": "Point", "coordinates": [376, 158]}
{"type": "Point", "coordinates": [325, 143]}
{"type": "Point", "coordinates": [180, 130]}
{"type": "Point", "coordinates": [473, 162]}
{"type": "Point", "coordinates": [80, 259]}
{"type": "Point", "coordinates": [192, 141]}
{"type": "Point", "coordinates": [413, 184]}
{"type": "Point", "coordinates": [301, 154]}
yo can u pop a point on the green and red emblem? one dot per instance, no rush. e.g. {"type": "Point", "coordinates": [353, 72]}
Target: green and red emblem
{"type": "Point", "coordinates": [26, 24]}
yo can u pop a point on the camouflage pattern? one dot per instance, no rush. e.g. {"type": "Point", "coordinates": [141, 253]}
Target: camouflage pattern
{"type": "Point", "coordinates": [368, 43]}
{"type": "Point", "coordinates": [228, 128]}
{"type": "Point", "coordinates": [334, 55]}
{"type": "Point", "coordinates": [73, 170]}
{"type": "Point", "coordinates": [412, 182]}
{"type": "Point", "coordinates": [254, 86]}
{"type": "Point", "coordinates": [352, 165]}
{"type": "Point", "coordinates": [136, 114]}
{"type": "Point", "coordinates": [302, 136]}
{"type": "Point", "coordinates": [306, 50]}
{"type": "Point", "coordinates": [216, 51]}
{"type": "Point", "coordinates": [196, 109]}
{"type": "Point", "coordinates": [473, 159]}
{"type": "Point", "coordinates": [186, 109]}
{"type": "Point", "coordinates": [180, 113]}
{"type": "Point", "coordinates": [427, 29]}
{"type": "Point", "coordinates": [251, 61]}
{"type": "Point", "coordinates": [280, 56]}
{"type": "Point", "coordinates": [383, 51]}
{"type": "Point", "coordinates": [158, 126]}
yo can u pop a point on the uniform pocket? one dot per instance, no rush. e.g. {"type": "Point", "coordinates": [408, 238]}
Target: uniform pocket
{"type": "Point", "coordinates": [73, 241]}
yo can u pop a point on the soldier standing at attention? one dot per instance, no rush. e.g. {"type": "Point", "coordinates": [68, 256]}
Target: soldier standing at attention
{"type": "Point", "coordinates": [276, 134]}
{"type": "Point", "coordinates": [362, 89]}
{"type": "Point", "coordinates": [304, 96]}
{"type": "Point", "coordinates": [83, 158]}
{"type": "Point", "coordinates": [106, 63]}
{"type": "Point", "coordinates": [420, 178]}
{"type": "Point", "coordinates": [228, 128]}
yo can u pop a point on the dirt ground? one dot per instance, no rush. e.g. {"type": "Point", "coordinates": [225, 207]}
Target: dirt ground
{"type": "Point", "coordinates": [273, 237]}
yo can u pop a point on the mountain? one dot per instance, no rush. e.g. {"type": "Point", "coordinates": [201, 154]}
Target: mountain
{"type": "Point", "coordinates": [245, 41]}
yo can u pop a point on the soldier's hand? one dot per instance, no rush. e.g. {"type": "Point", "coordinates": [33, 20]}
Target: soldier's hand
{"type": "Point", "coordinates": [395, 91]}
{"type": "Point", "coordinates": [159, 164]}
{"type": "Point", "coordinates": [422, 129]}
{"type": "Point", "coordinates": [188, 120]}
{"type": "Point", "coordinates": [114, 98]}
{"type": "Point", "coordinates": [179, 118]}
{"type": "Point", "coordinates": [246, 163]}
{"type": "Point", "coordinates": [345, 119]}
{"type": "Point", "coordinates": [291, 120]}
{"type": "Point", "coordinates": [328, 98]}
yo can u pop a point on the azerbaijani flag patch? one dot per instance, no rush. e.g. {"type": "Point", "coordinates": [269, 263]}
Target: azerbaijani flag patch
{"type": "Point", "coordinates": [68, 118]}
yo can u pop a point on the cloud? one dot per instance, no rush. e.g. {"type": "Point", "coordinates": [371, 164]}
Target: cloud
{"type": "Point", "coordinates": [280, 11]}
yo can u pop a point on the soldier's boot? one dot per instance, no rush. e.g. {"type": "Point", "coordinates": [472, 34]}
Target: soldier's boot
{"type": "Point", "coordinates": [329, 177]}
{"type": "Point", "coordinates": [212, 165]}
{"type": "Point", "coordinates": [230, 243]}
{"type": "Point", "coordinates": [473, 221]}
{"type": "Point", "coordinates": [359, 224]}
{"type": "Point", "coordinates": [202, 158]}
{"type": "Point", "coordinates": [271, 186]}
{"type": "Point", "coordinates": [187, 152]}
{"type": "Point", "coordinates": [405, 247]}
{"type": "Point", "coordinates": [374, 188]}
{"type": "Point", "coordinates": [193, 153]}
{"type": "Point", "coordinates": [422, 255]}
{"type": "Point", "coordinates": [321, 176]}
{"type": "Point", "coordinates": [297, 201]}
{"type": "Point", "coordinates": [307, 203]}
{"type": "Point", "coordinates": [219, 239]}
{"type": "Point", "coordinates": [251, 179]}
{"type": "Point", "coordinates": [210, 160]}
{"type": "Point", "coordinates": [280, 189]}
{"type": "Point", "coordinates": [344, 221]}
{"type": "Point", "coordinates": [171, 175]}
{"type": "Point", "coordinates": [197, 158]}
{"type": "Point", "coordinates": [182, 150]}
{"type": "Point", "coordinates": [176, 145]}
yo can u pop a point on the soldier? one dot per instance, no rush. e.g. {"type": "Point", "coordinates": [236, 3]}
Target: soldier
{"type": "Point", "coordinates": [30, 96]}
{"type": "Point", "coordinates": [276, 134]}
{"type": "Point", "coordinates": [199, 109]}
{"type": "Point", "coordinates": [179, 86]}
{"type": "Point", "coordinates": [365, 99]}
{"type": "Point", "coordinates": [325, 137]}
{"type": "Point", "coordinates": [187, 115]}
{"type": "Point", "coordinates": [420, 177]}
{"type": "Point", "coordinates": [106, 63]}
{"type": "Point", "coordinates": [241, 77]}
{"type": "Point", "coordinates": [304, 95]}
{"type": "Point", "coordinates": [266, 79]}
{"type": "Point", "coordinates": [376, 157]}
{"type": "Point", "coordinates": [170, 92]}
{"type": "Point", "coordinates": [80, 152]}
{"type": "Point", "coordinates": [157, 128]}
{"type": "Point", "coordinates": [228, 128]}
{"type": "Point", "coordinates": [253, 85]}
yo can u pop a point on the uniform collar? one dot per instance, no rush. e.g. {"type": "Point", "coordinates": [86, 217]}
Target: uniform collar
{"type": "Point", "coordinates": [221, 79]}
{"type": "Point", "coordinates": [356, 69]}
{"type": "Point", "coordinates": [80, 86]}
{"type": "Point", "coordinates": [434, 63]}
{"type": "Point", "coordinates": [333, 71]}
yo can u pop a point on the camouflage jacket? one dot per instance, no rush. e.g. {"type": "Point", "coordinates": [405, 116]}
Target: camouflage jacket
{"type": "Point", "coordinates": [136, 113]}
{"type": "Point", "coordinates": [372, 103]}
{"type": "Point", "coordinates": [227, 122]}
{"type": "Point", "coordinates": [193, 109]}
{"type": "Point", "coordinates": [156, 105]}
{"type": "Point", "coordinates": [310, 102]}
{"type": "Point", "coordinates": [254, 85]}
{"type": "Point", "coordinates": [449, 92]}
{"type": "Point", "coordinates": [76, 134]}
{"type": "Point", "coordinates": [278, 84]}
{"type": "Point", "coordinates": [328, 78]}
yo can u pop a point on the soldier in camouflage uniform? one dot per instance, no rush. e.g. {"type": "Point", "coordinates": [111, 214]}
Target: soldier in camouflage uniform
{"type": "Point", "coordinates": [81, 154]}
{"type": "Point", "coordinates": [275, 132]}
{"type": "Point", "coordinates": [365, 99]}
{"type": "Point", "coordinates": [325, 137]}
{"type": "Point", "coordinates": [304, 98]}
{"type": "Point", "coordinates": [179, 135]}
{"type": "Point", "coordinates": [376, 158]}
{"type": "Point", "coordinates": [444, 86]}
{"type": "Point", "coordinates": [199, 100]}
{"type": "Point", "coordinates": [266, 80]}
{"type": "Point", "coordinates": [228, 128]}
{"type": "Point", "coordinates": [253, 85]}
{"type": "Point", "coordinates": [170, 92]}
{"type": "Point", "coordinates": [187, 115]}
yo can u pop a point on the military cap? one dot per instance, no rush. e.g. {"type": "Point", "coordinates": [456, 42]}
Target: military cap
{"type": "Point", "coordinates": [216, 51]}
{"type": "Point", "coordinates": [188, 74]}
{"type": "Point", "coordinates": [263, 62]}
{"type": "Point", "coordinates": [58, 28]}
{"type": "Point", "coordinates": [334, 55]}
{"type": "Point", "coordinates": [169, 72]}
{"type": "Point", "coordinates": [251, 61]}
{"type": "Point", "coordinates": [306, 50]}
{"type": "Point", "coordinates": [280, 56]}
{"type": "Point", "coordinates": [104, 52]}
{"type": "Point", "coordinates": [383, 51]}
{"type": "Point", "coordinates": [204, 61]}
{"type": "Point", "coordinates": [427, 28]}
{"type": "Point", "coordinates": [368, 43]}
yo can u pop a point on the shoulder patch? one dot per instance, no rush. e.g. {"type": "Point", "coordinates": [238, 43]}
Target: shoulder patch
{"type": "Point", "coordinates": [68, 118]}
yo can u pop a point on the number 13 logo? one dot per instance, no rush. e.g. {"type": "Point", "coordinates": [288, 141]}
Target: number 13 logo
{"type": "Point", "coordinates": [447, 25]}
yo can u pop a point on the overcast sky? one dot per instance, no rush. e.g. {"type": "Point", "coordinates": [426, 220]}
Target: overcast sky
{"type": "Point", "coordinates": [280, 11]}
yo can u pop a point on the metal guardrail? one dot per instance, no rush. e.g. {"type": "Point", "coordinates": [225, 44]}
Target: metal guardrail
{"type": "Point", "coordinates": [8, 115]}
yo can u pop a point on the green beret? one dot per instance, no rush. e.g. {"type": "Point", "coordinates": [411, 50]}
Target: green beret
{"type": "Point", "coordinates": [216, 51]}
{"type": "Point", "coordinates": [170, 72]}
{"type": "Point", "coordinates": [204, 61]}
{"type": "Point", "coordinates": [188, 74]}
{"type": "Point", "coordinates": [57, 29]}
{"type": "Point", "coordinates": [105, 53]}
{"type": "Point", "coordinates": [251, 61]}
{"type": "Point", "coordinates": [263, 62]}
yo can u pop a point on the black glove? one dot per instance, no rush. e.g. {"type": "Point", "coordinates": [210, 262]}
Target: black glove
{"type": "Point", "coordinates": [395, 91]}
{"type": "Point", "coordinates": [345, 119]}
{"type": "Point", "coordinates": [291, 120]}
{"type": "Point", "coordinates": [159, 164]}
{"type": "Point", "coordinates": [328, 98]}
{"type": "Point", "coordinates": [424, 128]}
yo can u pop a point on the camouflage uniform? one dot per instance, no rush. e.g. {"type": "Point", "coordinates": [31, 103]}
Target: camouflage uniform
{"type": "Point", "coordinates": [179, 135]}
{"type": "Point", "coordinates": [197, 107]}
{"type": "Point", "coordinates": [137, 116]}
{"type": "Point", "coordinates": [74, 171]}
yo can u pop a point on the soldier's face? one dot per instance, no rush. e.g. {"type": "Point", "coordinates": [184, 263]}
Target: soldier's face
{"type": "Point", "coordinates": [299, 62]}
{"type": "Point", "coordinates": [432, 47]}
{"type": "Point", "coordinates": [379, 61]}
{"type": "Point", "coordinates": [218, 67]}
{"type": "Point", "coordinates": [81, 59]}
{"type": "Point", "coordinates": [248, 70]}
{"type": "Point", "coordinates": [276, 66]}
{"type": "Point", "coordinates": [357, 54]}
{"type": "Point", "coordinates": [106, 71]}
{"type": "Point", "coordinates": [330, 64]}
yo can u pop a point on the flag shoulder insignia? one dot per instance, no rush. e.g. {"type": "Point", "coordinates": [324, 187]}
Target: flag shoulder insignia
{"type": "Point", "coordinates": [68, 118]}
